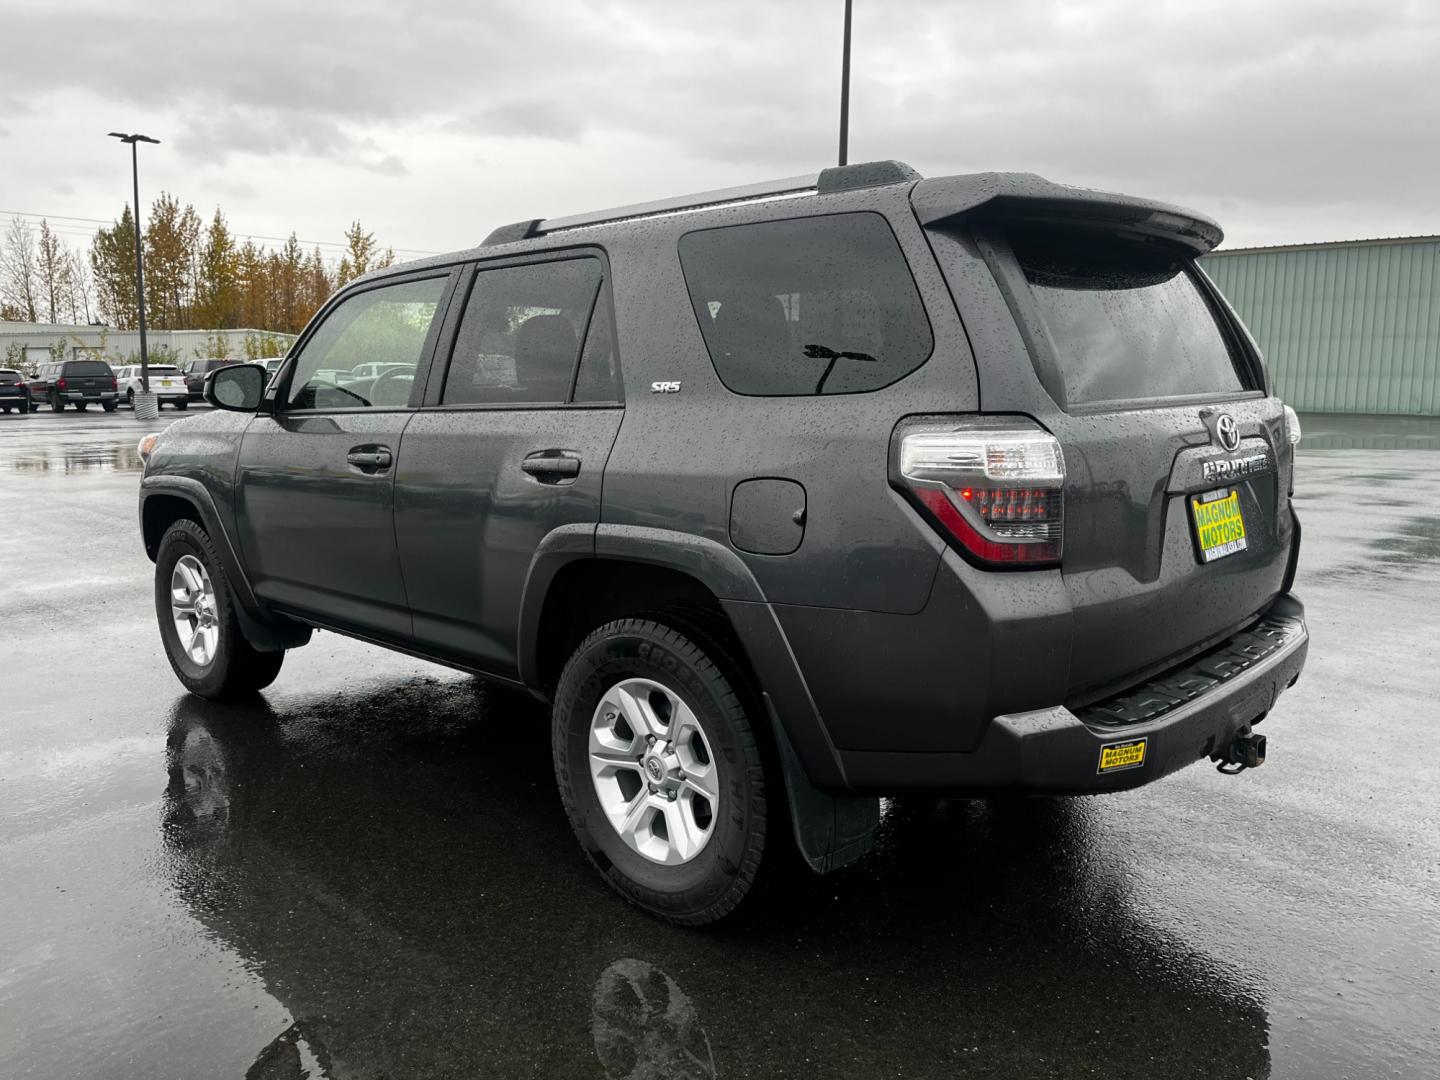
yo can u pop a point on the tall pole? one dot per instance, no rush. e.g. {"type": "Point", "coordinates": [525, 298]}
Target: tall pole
{"type": "Point", "coordinates": [145, 405]}
{"type": "Point", "coordinates": [139, 270]}
{"type": "Point", "coordinates": [845, 90]}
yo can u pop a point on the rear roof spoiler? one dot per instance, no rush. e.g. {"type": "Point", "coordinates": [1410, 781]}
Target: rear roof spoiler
{"type": "Point", "coordinates": [1026, 197]}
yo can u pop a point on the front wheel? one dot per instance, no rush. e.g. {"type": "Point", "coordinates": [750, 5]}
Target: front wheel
{"type": "Point", "coordinates": [56, 405]}
{"type": "Point", "coordinates": [183, 404]}
{"type": "Point", "coordinates": [659, 769]}
{"type": "Point", "coordinates": [198, 625]}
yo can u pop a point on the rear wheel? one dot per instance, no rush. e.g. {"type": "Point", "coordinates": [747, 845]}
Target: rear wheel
{"type": "Point", "coordinates": [80, 406]}
{"type": "Point", "coordinates": [659, 769]}
{"type": "Point", "coordinates": [195, 609]}
{"type": "Point", "coordinates": [182, 404]}
{"type": "Point", "coordinates": [56, 405]}
{"type": "Point", "coordinates": [109, 406]}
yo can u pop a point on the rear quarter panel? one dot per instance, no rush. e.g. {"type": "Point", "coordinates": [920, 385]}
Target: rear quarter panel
{"type": "Point", "coordinates": [679, 456]}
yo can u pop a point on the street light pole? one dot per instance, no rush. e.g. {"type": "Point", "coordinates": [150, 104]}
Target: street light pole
{"type": "Point", "coordinates": [845, 90]}
{"type": "Point", "coordinates": [145, 408]}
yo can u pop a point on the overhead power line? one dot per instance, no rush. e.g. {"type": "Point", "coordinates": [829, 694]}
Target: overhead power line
{"type": "Point", "coordinates": [69, 225]}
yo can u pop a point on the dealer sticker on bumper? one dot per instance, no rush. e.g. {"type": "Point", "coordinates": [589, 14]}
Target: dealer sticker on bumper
{"type": "Point", "coordinates": [1117, 756]}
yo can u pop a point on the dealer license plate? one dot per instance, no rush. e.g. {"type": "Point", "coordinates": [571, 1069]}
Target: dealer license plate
{"type": "Point", "coordinates": [1219, 525]}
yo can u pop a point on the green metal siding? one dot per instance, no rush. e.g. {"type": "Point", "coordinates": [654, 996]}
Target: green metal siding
{"type": "Point", "coordinates": [1348, 328]}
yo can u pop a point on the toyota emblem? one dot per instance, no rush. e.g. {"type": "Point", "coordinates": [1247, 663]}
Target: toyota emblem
{"type": "Point", "coordinates": [1227, 432]}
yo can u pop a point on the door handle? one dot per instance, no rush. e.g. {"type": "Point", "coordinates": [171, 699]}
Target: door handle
{"type": "Point", "coordinates": [552, 466]}
{"type": "Point", "coordinates": [374, 458]}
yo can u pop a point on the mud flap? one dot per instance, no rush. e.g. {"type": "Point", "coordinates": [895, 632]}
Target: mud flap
{"type": "Point", "coordinates": [831, 831]}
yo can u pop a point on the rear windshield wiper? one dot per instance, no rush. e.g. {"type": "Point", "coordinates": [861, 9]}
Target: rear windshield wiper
{"type": "Point", "coordinates": [824, 352]}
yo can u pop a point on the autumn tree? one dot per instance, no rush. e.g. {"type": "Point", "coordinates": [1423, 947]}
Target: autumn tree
{"type": "Point", "coordinates": [52, 271]}
{"type": "Point", "coordinates": [171, 244]}
{"type": "Point", "coordinates": [112, 266]}
{"type": "Point", "coordinates": [218, 285]}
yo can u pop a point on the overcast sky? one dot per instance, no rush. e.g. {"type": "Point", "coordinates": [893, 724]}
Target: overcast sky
{"type": "Point", "coordinates": [1288, 120]}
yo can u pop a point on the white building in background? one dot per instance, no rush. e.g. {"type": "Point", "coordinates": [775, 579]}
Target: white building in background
{"type": "Point", "coordinates": [29, 344]}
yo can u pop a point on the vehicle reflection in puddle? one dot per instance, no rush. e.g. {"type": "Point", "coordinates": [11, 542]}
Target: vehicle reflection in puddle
{"type": "Point", "coordinates": [393, 864]}
{"type": "Point", "coordinates": [646, 1028]}
{"type": "Point", "coordinates": [82, 457]}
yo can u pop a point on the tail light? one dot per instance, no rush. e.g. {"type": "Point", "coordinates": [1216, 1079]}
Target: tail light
{"type": "Point", "coordinates": [993, 486]}
{"type": "Point", "coordinates": [60, 383]}
{"type": "Point", "coordinates": [114, 383]}
{"type": "Point", "coordinates": [1292, 426]}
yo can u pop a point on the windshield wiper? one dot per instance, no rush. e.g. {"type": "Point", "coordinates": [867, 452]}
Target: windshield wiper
{"type": "Point", "coordinates": [824, 352]}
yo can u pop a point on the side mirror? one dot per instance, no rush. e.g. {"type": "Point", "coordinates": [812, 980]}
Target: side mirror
{"type": "Point", "coordinates": [237, 387]}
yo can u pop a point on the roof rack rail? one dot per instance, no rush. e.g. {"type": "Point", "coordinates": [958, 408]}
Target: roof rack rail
{"type": "Point", "coordinates": [834, 179]}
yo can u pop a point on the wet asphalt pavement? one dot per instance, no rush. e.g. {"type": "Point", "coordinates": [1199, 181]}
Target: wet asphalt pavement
{"type": "Point", "coordinates": [369, 874]}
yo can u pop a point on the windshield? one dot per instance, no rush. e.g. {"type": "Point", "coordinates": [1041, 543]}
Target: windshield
{"type": "Point", "coordinates": [1125, 319]}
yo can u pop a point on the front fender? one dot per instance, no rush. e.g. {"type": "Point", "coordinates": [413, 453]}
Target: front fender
{"type": "Point", "coordinates": [262, 630]}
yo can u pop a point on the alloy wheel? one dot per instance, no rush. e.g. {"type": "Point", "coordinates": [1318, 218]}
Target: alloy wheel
{"type": "Point", "coordinates": [653, 771]}
{"type": "Point", "coordinates": [193, 610]}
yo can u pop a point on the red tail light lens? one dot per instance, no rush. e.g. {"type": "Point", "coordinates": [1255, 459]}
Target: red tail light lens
{"type": "Point", "coordinates": [994, 486]}
{"type": "Point", "coordinates": [60, 384]}
{"type": "Point", "coordinates": [114, 383]}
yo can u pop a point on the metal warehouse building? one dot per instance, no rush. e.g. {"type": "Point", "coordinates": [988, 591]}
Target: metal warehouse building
{"type": "Point", "coordinates": [1349, 327]}
{"type": "Point", "coordinates": [35, 343]}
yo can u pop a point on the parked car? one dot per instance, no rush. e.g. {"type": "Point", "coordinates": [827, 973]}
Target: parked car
{"type": "Point", "coordinates": [167, 383]}
{"type": "Point", "coordinates": [368, 372]}
{"type": "Point", "coordinates": [14, 394]}
{"type": "Point", "coordinates": [81, 383]}
{"type": "Point", "coordinates": [970, 485]}
{"type": "Point", "coordinates": [195, 372]}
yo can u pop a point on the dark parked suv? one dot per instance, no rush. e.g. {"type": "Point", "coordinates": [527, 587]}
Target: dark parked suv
{"type": "Point", "coordinates": [74, 382]}
{"type": "Point", "coordinates": [786, 497]}
{"type": "Point", "coordinates": [195, 372]}
{"type": "Point", "coordinates": [14, 393]}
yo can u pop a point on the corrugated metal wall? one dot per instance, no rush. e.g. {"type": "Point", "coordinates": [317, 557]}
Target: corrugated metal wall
{"type": "Point", "coordinates": [1351, 328]}
{"type": "Point", "coordinates": [123, 346]}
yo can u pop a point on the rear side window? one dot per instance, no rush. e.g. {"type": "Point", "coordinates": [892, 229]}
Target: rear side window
{"type": "Point", "coordinates": [817, 305]}
{"type": "Point", "coordinates": [519, 340]}
{"type": "Point", "coordinates": [87, 367]}
{"type": "Point", "coordinates": [1126, 320]}
{"type": "Point", "coordinates": [9, 378]}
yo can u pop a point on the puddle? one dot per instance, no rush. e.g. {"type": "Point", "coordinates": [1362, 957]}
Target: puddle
{"type": "Point", "coordinates": [92, 457]}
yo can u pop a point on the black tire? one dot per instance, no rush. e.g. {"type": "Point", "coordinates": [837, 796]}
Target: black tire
{"type": "Point", "coordinates": [56, 405]}
{"type": "Point", "coordinates": [182, 404]}
{"type": "Point", "coordinates": [236, 670]}
{"type": "Point", "coordinates": [109, 406]}
{"type": "Point", "coordinates": [34, 406]}
{"type": "Point", "coordinates": [713, 883]}
{"type": "Point", "coordinates": [5, 409]}
{"type": "Point", "coordinates": [130, 397]}
{"type": "Point", "coordinates": [80, 406]}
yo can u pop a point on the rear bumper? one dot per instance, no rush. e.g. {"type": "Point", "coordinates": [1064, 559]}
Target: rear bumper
{"type": "Point", "coordinates": [1184, 715]}
{"type": "Point", "coordinates": [89, 395]}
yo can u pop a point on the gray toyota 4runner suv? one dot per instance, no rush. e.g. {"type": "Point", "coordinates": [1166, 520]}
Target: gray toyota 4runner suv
{"type": "Point", "coordinates": [785, 497]}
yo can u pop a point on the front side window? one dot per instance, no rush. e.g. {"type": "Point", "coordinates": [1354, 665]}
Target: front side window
{"type": "Point", "coordinates": [519, 339]}
{"type": "Point", "coordinates": [1126, 319]}
{"type": "Point", "coordinates": [367, 351]}
{"type": "Point", "coordinates": [817, 305]}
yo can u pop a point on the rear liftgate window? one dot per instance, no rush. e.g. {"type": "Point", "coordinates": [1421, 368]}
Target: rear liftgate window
{"type": "Point", "coordinates": [817, 305]}
{"type": "Point", "coordinates": [1126, 319]}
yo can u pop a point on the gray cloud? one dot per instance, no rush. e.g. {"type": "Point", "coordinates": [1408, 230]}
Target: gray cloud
{"type": "Point", "coordinates": [1264, 113]}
